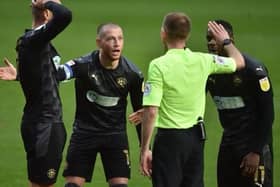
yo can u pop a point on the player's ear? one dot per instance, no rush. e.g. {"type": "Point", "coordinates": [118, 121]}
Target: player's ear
{"type": "Point", "coordinates": [98, 42]}
{"type": "Point", "coordinates": [48, 14]}
{"type": "Point", "coordinates": [163, 35]}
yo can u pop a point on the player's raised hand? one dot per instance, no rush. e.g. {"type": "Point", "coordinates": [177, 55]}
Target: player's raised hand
{"type": "Point", "coordinates": [40, 3]}
{"type": "Point", "coordinates": [8, 72]}
{"type": "Point", "coordinates": [146, 163]}
{"type": "Point", "coordinates": [218, 32]}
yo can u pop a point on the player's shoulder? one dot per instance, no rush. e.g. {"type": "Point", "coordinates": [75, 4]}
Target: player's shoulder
{"type": "Point", "coordinates": [29, 33]}
{"type": "Point", "coordinates": [255, 67]}
{"type": "Point", "coordinates": [87, 58]}
{"type": "Point", "coordinates": [130, 67]}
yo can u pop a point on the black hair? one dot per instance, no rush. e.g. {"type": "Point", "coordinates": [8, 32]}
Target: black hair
{"type": "Point", "coordinates": [226, 25]}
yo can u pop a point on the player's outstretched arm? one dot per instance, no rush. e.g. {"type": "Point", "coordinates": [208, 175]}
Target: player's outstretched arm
{"type": "Point", "coordinates": [8, 72]}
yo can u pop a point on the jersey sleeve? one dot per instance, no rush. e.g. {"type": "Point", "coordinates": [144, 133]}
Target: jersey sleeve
{"type": "Point", "coordinates": [136, 92]}
{"type": "Point", "coordinates": [265, 109]}
{"type": "Point", "coordinates": [153, 89]}
{"type": "Point", "coordinates": [45, 33]}
{"type": "Point", "coordinates": [219, 64]}
{"type": "Point", "coordinates": [136, 96]}
{"type": "Point", "coordinates": [75, 68]}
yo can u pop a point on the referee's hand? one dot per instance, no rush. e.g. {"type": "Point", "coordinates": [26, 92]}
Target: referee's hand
{"type": "Point", "coordinates": [146, 163]}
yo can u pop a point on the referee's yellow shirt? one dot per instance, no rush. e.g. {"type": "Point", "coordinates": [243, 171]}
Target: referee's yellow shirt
{"type": "Point", "coordinates": [176, 84]}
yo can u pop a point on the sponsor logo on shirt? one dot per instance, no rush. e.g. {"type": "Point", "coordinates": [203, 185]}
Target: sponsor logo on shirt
{"type": "Point", "coordinates": [102, 100]}
{"type": "Point", "coordinates": [228, 102]}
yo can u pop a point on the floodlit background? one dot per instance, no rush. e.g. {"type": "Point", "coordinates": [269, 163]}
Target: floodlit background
{"type": "Point", "coordinates": [256, 28]}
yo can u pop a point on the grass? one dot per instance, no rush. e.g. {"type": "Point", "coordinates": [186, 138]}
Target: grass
{"type": "Point", "coordinates": [256, 31]}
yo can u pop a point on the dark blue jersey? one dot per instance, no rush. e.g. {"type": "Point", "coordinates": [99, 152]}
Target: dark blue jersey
{"type": "Point", "coordinates": [244, 101]}
{"type": "Point", "coordinates": [101, 94]}
{"type": "Point", "coordinates": [36, 68]}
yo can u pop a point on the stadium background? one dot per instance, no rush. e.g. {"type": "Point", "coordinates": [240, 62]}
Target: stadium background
{"type": "Point", "coordinates": [256, 27]}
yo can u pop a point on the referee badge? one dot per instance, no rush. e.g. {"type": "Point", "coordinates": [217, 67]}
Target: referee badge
{"type": "Point", "coordinates": [219, 60]}
{"type": "Point", "coordinates": [264, 84]}
{"type": "Point", "coordinates": [147, 89]}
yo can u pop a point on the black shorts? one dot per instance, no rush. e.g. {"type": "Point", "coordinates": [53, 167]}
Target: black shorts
{"type": "Point", "coordinates": [43, 143]}
{"type": "Point", "coordinates": [178, 158]}
{"type": "Point", "coordinates": [229, 172]}
{"type": "Point", "coordinates": [83, 148]}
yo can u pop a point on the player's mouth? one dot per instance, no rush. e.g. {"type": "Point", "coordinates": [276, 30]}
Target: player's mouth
{"type": "Point", "coordinates": [116, 52]}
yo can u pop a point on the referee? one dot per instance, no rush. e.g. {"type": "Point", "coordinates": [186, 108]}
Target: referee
{"type": "Point", "coordinates": [175, 91]}
{"type": "Point", "coordinates": [244, 101]}
{"type": "Point", "coordinates": [42, 129]}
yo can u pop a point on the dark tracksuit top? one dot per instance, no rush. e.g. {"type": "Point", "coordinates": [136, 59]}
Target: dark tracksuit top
{"type": "Point", "coordinates": [244, 101]}
{"type": "Point", "coordinates": [36, 68]}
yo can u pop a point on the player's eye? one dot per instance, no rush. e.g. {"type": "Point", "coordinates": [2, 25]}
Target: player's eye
{"type": "Point", "coordinates": [209, 38]}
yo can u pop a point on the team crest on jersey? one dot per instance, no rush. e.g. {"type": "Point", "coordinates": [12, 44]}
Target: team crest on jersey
{"type": "Point", "coordinates": [147, 89]}
{"type": "Point", "coordinates": [237, 80]}
{"type": "Point", "coordinates": [264, 84]}
{"type": "Point", "coordinates": [51, 173]}
{"type": "Point", "coordinates": [121, 81]}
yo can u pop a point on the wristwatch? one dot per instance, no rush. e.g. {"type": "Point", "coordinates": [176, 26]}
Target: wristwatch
{"type": "Point", "coordinates": [226, 42]}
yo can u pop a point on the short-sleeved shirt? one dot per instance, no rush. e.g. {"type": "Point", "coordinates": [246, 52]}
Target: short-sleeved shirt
{"type": "Point", "coordinates": [176, 84]}
{"type": "Point", "coordinates": [101, 94]}
{"type": "Point", "coordinates": [244, 100]}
